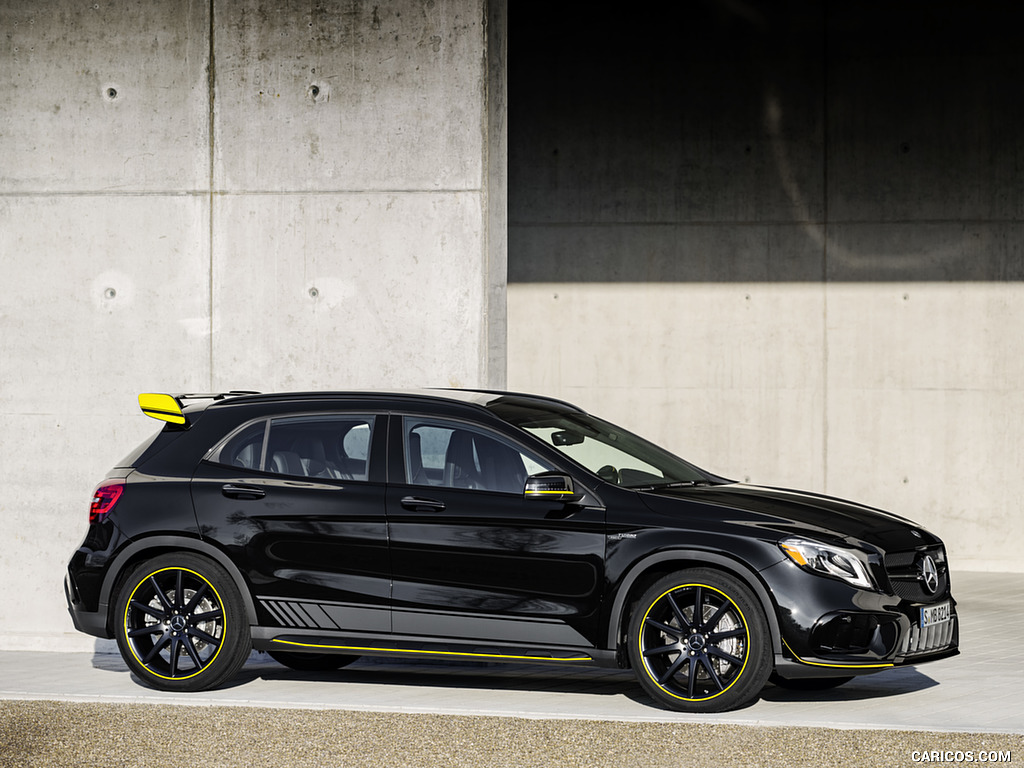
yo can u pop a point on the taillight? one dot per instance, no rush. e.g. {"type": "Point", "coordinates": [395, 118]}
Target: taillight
{"type": "Point", "coordinates": [104, 498]}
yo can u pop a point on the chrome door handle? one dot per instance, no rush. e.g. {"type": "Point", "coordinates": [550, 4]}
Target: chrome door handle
{"type": "Point", "coordinates": [419, 504]}
{"type": "Point", "coordinates": [242, 491]}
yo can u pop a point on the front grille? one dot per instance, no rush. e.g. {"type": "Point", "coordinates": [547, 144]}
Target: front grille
{"type": "Point", "coordinates": [934, 638]}
{"type": "Point", "coordinates": [904, 571]}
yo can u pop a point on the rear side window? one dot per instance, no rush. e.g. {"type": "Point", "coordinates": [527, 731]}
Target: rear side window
{"type": "Point", "coordinates": [335, 447]}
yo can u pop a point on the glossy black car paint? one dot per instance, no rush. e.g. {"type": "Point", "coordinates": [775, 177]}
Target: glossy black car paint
{"type": "Point", "coordinates": [384, 567]}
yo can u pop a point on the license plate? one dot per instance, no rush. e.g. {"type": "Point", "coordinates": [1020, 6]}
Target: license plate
{"type": "Point", "coordinates": [935, 614]}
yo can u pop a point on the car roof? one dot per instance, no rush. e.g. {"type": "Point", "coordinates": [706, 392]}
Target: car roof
{"type": "Point", "coordinates": [478, 397]}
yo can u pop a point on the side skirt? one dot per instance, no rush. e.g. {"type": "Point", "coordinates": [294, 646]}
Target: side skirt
{"type": "Point", "coordinates": [406, 646]}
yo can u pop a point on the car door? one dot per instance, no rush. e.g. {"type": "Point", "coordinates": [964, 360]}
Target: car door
{"type": "Point", "coordinates": [472, 557]}
{"type": "Point", "coordinates": [298, 501]}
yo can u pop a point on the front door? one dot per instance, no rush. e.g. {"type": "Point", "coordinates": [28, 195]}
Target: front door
{"type": "Point", "coordinates": [472, 558]}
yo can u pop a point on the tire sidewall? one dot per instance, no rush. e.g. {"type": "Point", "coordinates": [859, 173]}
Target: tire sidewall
{"type": "Point", "coordinates": [236, 640]}
{"type": "Point", "coordinates": [757, 666]}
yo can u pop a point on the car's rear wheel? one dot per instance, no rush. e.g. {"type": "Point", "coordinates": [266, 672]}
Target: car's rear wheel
{"type": "Point", "coordinates": [312, 662]}
{"type": "Point", "coordinates": [699, 642]}
{"type": "Point", "coordinates": [181, 624]}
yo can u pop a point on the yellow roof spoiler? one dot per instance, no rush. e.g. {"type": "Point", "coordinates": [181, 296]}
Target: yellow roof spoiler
{"type": "Point", "coordinates": [169, 408]}
{"type": "Point", "coordinates": [162, 407]}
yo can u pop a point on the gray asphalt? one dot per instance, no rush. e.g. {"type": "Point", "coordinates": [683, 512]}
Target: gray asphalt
{"type": "Point", "coordinates": [86, 709]}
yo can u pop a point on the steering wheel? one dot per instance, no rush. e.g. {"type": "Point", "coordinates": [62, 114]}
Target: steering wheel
{"type": "Point", "coordinates": [609, 474]}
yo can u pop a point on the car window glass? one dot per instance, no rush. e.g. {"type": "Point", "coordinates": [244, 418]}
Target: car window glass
{"type": "Point", "coordinates": [332, 447]}
{"type": "Point", "coordinates": [454, 455]}
{"type": "Point", "coordinates": [245, 448]}
{"type": "Point", "coordinates": [612, 453]}
{"type": "Point", "coordinates": [356, 442]}
{"type": "Point", "coordinates": [605, 459]}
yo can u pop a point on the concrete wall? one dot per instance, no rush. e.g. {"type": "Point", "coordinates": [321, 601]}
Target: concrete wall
{"type": "Point", "coordinates": [219, 195]}
{"type": "Point", "coordinates": [786, 241]}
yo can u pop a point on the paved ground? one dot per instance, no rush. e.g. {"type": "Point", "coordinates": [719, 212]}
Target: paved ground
{"type": "Point", "coordinates": [982, 690]}
{"type": "Point", "coordinates": [40, 734]}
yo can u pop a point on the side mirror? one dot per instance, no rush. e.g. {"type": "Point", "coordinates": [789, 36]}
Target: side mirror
{"type": "Point", "coordinates": [553, 486]}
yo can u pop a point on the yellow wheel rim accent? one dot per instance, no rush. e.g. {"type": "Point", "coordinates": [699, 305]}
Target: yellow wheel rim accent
{"type": "Point", "coordinates": [220, 603]}
{"type": "Point", "coordinates": [746, 635]}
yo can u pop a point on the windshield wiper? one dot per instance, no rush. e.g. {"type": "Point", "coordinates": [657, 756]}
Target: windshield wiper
{"type": "Point", "coordinates": [673, 484]}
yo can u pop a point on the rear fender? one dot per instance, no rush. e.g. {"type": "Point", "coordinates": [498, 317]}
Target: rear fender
{"type": "Point", "coordinates": [141, 549]}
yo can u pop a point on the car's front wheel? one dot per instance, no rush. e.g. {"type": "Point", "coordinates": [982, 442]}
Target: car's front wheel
{"type": "Point", "coordinates": [699, 642]}
{"type": "Point", "coordinates": [181, 624]}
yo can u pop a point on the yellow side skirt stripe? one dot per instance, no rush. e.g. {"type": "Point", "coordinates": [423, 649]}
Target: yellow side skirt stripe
{"type": "Point", "coordinates": [433, 653]}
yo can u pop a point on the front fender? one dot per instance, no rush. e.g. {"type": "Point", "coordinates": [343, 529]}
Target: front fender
{"type": "Point", "coordinates": [689, 558]}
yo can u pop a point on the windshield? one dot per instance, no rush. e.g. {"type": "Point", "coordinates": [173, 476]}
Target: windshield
{"type": "Point", "coordinates": [612, 453]}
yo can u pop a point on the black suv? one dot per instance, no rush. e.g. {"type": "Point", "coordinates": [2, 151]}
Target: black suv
{"type": "Point", "coordinates": [450, 524]}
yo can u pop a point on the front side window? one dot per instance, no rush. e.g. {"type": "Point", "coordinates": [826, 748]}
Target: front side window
{"type": "Point", "coordinates": [455, 455]}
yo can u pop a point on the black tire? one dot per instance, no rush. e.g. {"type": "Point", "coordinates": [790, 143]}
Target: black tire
{"type": "Point", "coordinates": [808, 683]}
{"type": "Point", "coordinates": [719, 662]}
{"type": "Point", "coordinates": [181, 624]}
{"type": "Point", "coordinates": [312, 662]}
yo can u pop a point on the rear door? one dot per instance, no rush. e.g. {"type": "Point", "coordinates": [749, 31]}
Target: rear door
{"type": "Point", "coordinates": [298, 502]}
{"type": "Point", "coordinates": [472, 558]}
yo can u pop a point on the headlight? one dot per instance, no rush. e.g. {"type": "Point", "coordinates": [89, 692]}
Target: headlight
{"type": "Point", "coordinates": [821, 558]}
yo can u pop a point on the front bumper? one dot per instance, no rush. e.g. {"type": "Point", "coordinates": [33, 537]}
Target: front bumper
{"type": "Point", "coordinates": [832, 629]}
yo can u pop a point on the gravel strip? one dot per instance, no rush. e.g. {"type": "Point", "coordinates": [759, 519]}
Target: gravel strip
{"type": "Point", "coordinates": [52, 733]}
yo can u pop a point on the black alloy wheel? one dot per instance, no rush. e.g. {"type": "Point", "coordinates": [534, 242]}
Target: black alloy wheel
{"type": "Point", "coordinates": [181, 624]}
{"type": "Point", "coordinates": [312, 662]}
{"type": "Point", "coordinates": [699, 642]}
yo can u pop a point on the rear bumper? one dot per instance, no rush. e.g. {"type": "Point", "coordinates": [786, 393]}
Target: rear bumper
{"type": "Point", "coordinates": [90, 622]}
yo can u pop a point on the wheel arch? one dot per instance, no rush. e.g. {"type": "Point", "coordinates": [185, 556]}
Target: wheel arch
{"type": "Point", "coordinates": [151, 546]}
{"type": "Point", "coordinates": [649, 569]}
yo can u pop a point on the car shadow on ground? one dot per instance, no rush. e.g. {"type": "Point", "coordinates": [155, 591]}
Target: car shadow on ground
{"type": "Point", "coordinates": [457, 674]}
{"type": "Point", "coordinates": [892, 682]}
{"type": "Point", "coordinates": [494, 676]}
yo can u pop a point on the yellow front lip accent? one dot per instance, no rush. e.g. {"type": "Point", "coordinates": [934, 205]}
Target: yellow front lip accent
{"type": "Point", "coordinates": [836, 666]}
{"type": "Point", "coordinates": [460, 654]}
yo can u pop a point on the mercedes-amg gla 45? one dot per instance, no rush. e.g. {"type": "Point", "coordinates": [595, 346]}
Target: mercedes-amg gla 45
{"type": "Point", "coordinates": [473, 525]}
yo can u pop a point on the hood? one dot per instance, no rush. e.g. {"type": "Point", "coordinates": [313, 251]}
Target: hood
{"type": "Point", "coordinates": [789, 512]}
